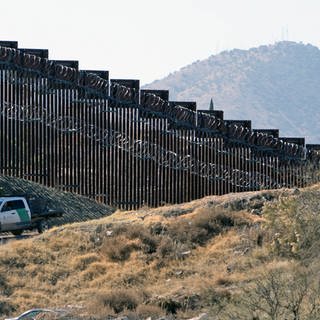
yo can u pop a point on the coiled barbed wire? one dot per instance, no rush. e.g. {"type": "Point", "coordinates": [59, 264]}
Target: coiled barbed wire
{"type": "Point", "coordinates": [141, 149]}
{"type": "Point", "coordinates": [183, 117]}
{"type": "Point", "coordinates": [151, 104]}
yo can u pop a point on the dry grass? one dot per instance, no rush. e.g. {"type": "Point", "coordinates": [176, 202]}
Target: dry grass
{"type": "Point", "coordinates": [178, 259]}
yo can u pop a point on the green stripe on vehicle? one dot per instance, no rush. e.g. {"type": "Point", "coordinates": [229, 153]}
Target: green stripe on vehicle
{"type": "Point", "coordinates": [23, 215]}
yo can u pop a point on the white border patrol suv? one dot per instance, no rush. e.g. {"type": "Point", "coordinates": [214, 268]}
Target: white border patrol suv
{"type": "Point", "coordinates": [15, 214]}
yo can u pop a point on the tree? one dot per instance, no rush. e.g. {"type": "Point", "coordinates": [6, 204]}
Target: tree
{"type": "Point", "coordinates": [283, 293]}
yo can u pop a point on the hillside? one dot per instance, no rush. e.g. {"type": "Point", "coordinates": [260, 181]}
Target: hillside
{"type": "Point", "coordinates": [216, 256]}
{"type": "Point", "coordinates": [276, 86]}
{"type": "Point", "coordinates": [77, 208]}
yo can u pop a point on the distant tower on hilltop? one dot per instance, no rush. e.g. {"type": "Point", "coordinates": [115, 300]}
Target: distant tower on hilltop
{"type": "Point", "coordinates": [211, 107]}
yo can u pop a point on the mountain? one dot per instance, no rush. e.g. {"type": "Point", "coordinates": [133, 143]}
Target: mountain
{"type": "Point", "coordinates": [275, 86]}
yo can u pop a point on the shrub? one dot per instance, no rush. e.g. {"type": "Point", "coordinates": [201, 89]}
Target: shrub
{"type": "Point", "coordinates": [166, 247]}
{"type": "Point", "coordinates": [118, 248]}
{"type": "Point", "coordinates": [5, 289]}
{"type": "Point", "coordinates": [216, 297]}
{"type": "Point", "coordinates": [12, 261]}
{"type": "Point", "coordinates": [145, 311]}
{"type": "Point", "coordinates": [119, 299]}
{"type": "Point", "coordinates": [94, 270]}
{"type": "Point", "coordinates": [82, 262]}
{"type": "Point", "coordinates": [158, 229]}
{"type": "Point", "coordinates": [149, 241]}
{"type": "Point", "coordinates": [6, 307]}
{"type": "Point", "coordinates": [130, 279]}
{"type": "Point", "coordinates": [170, 250]}
{"type": "Point", "coordinates": [206, 224]}
{"type": "Point", "coordinates": [223, 281]}
{"type": "Point", "coordinates": [279, 294]}
{"type": "Point", "coordinates": [170, 305]}
{"type": "Point", "coordinates": [292, 225]}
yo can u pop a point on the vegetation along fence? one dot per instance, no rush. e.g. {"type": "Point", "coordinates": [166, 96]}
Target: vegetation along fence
{"type": "Point", "coordinates": [79, 131]}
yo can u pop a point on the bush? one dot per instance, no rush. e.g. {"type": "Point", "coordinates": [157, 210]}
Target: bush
{"type": "Point", "coordinates": [93, 271]}
{"type": "Point", "coordinates": [170, 250]}
{"type": "Point", "coordinates": [170, 305]}
{"type": "Point", "coordinates": [149, 241]}
{"type": "Point", "coordinates": [118, 249]}
{"type": "Point", "coordinates": [206, 224]}
{"type": "Point", "coordinates": [6, 307]}
{"type": "Point", "coordinates": [292, 293]}
{"type": "Point", "coordinates": [223, 281]}
{"type": "Point", "coordinates": [214, 297]}
{"type": "Point", "coordinates": [82, 262]}
{"type": "Point", "coordinates": [125, 239]}
{"type": "Point", "coordinates": [5, 289]}
{"type": "Point", "coordinates": [158, 229]}
{"type": "Point", "coordinates": [166, 247]}
{"type": "Point", "coordinates": [292, 225]}
{"type": "Point", "coordinates": [168, 241]}
{"type": "Point", "coordinates": [119, 300]}
{"type": "Point", "coordinates": [145, 311]}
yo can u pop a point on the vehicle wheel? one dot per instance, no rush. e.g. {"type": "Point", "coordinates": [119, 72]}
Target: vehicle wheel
{"type": "Point", "coordinates": [17, 232]}
{"type": "Point", "coordinates": [42, 226]}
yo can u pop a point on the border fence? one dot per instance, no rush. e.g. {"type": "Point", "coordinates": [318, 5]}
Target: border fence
{"type": "Point", "coordinates": [79, 131]}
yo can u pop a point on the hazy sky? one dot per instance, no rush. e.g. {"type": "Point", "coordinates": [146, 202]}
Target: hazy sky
{"type": "Point", "coordinates": [147, 39]}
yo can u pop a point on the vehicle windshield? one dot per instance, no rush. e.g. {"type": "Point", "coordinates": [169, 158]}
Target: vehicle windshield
{"type": "Point", "coordinates": [1, 202]}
